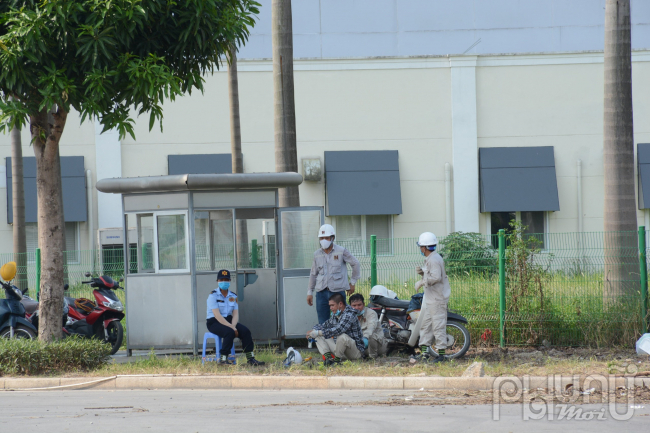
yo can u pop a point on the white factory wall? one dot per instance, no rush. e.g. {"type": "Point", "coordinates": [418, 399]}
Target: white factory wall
{"type": "Point", "coordinates": [404, 104]}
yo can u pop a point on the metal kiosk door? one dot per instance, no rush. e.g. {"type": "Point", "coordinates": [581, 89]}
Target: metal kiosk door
{"type": "Point", "coordinates": [256, 273]}
{"type": "Point", "coordinates": [297, 242]}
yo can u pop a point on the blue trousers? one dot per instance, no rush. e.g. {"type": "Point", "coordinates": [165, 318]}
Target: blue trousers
{"type": "Point", "coordinates": [322, 304]}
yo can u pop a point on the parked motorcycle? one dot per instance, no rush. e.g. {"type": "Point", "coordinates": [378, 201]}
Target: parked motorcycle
{"type": "Point", "coordinates": [88, 319]}
{"type": "Point", "coordinates": [401, 321]}
{"type": "Point", "coordinates": [99, 319]}
{"type": "Point", "coordinates": [13, 322]}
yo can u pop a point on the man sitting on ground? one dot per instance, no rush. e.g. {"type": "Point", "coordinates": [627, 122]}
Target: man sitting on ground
{"type": "Point", "coordinates": [339, 337]}
{"type": "Point", "coordinates": [373, 334]}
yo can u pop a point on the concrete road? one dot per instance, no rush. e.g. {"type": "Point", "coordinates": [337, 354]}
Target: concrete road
{"type": "Point", "coordinates": [292, 411]}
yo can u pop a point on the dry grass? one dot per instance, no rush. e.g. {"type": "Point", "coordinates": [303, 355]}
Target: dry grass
{"type": "Point", "coordinates": [518, 362]}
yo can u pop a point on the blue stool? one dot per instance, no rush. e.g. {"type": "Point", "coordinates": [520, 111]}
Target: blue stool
{"type": "Point", "coordinates": [217, 346]}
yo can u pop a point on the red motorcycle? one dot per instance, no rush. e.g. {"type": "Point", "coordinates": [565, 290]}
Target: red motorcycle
{"type": "Point", "coordinates": [100, 319]}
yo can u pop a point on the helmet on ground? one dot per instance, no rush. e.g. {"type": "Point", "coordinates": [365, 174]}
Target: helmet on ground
{"type": "Point", "coordinates": [326, 230]}
{"type": "Point", "coordinates": [293, 357]}
{"type": "Point", "coordinates": [427, 239]}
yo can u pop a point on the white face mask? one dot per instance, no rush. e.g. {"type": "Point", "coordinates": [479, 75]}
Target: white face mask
{"type": "Point", "coordinates": [325, 243]}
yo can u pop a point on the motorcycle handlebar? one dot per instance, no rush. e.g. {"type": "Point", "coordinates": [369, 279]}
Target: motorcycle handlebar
{"type": "Point", "coordinates": [114, 288]}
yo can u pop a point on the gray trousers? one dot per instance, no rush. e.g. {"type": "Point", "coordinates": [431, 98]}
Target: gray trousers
{"type": "Point", "coordinates": [434, 324]}
{"type": "Point", "coordinates": [377, 345]}
{"type": "Point", "coordinates": [344, 347]}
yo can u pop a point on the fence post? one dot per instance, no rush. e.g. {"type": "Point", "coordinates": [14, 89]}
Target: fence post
{"type": "Point", "coordinates": [643, 270]}
{"type": "Point", "coordinates": [502, 287]}
{"type": "Point", "coordinates": [254, 253]}
{"type": "Point", "coordinates": [38, 271]}
{"type": "Point", "coordinates": [373, 261]}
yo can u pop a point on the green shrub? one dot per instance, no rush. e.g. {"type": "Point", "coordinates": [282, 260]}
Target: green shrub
{"type": "Point", "coordinates": [32, 357]}
{"type": "Point", "coordinates": [468, 254]}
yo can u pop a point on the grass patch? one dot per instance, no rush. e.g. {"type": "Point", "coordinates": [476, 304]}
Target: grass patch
{"type": "Point", "coordinates": [517, 361]}
{"type": "Point", "coordinates": [33, 357]}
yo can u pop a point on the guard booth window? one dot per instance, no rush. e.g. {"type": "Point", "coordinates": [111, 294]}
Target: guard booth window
{"type": "Point", "coordinates": [255, 233]}
{"type": "Point", "coordinates": [162, 242]}
{"type": "Point", "coordinates": [214, 240]}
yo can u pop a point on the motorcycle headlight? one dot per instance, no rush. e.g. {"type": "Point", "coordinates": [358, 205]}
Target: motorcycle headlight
{"type": "Point", "coordinates": [114, 305]}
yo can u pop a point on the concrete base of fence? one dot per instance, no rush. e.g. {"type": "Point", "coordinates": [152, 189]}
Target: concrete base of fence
{"type": "Point", "coordinates": [503, 384]}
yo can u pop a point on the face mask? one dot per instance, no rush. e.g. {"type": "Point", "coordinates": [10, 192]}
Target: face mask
{"type": "Point", "coordinates": [224, 285]}
{"type": "Point", "coordinates": [338, 313]}
{"type": "Point", "coordinates": [360, 313]}
{"type": "Point", "coordinates": [325, 243]}
{"type": "Point", "coordinates": [421, 252]}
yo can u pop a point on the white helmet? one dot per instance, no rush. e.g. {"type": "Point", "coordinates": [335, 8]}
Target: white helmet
{"type": "Point", "coordinates": [326, 230]}
{"type": "Point", "coordinates": [427, 239]}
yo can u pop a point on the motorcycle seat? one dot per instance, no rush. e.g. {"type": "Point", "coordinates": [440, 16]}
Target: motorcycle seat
{"type": "Point", "coordinates": [30, 305]}
{"type": "Point", "coordinates": [389, 303]}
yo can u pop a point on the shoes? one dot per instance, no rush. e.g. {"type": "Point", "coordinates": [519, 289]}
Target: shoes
{"type": "Point", "coordinates": [225, 362]}
{"type": "Point", "coordinates": [437, 359]}
{"type": "Point", "coordinates": [422, 357]}
{"type": "Point", "coordinates": [254, 362]}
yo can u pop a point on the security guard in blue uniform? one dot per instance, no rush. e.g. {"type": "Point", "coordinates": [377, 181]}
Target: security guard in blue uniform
{"type": "Point", "coordinates": [223, 320]}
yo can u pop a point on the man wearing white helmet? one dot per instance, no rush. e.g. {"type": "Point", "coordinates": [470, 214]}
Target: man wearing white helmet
{"type": "Point", "coordinates": [329, 272]}
{"type": "Point", "coordinates": [437, 291]}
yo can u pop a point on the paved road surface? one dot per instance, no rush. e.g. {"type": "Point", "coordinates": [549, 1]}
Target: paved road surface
{"type": "Point", "coordinates": [292, 411]}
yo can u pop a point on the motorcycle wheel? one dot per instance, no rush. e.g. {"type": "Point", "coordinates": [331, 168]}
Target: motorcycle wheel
{"type": "Point", "coordinates": [461, 340]}
{"type": "Point", "coordinates": [115, 336]}
{"type": "Point", "coordinates": [19, 332]}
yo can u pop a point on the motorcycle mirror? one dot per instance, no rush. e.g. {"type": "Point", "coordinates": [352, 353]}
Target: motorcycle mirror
{"type": "Point", "coordinates": [87, 274]}
{"type": "Point", "coordinates": [121, 279]}
{"type": "Point", "coordinates": [66, 286]}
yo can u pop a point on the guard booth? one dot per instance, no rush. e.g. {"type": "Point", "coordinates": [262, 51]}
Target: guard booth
{"type": "Point", "coordinates": [188, 227]}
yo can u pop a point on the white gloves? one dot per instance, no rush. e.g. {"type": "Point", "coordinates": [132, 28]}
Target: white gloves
{"type": "Point", "coordinates": [419, 285]}
{"type": "Point", "coordinates": [419, 270]}
{"type": "Point", "coordinates": [315, 334]}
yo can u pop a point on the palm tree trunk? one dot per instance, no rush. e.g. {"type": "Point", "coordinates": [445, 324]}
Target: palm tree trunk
{"type": "Point", "coordinates": [18, 205]}
{"type": "Point", "coordinates": [620, 217]}
{"type": "Point", "coordinates": [46, 130]}
{"type": "Point", "coordinates": [286, 158]}
{"type": "Point", "coordinates": [237, 157]}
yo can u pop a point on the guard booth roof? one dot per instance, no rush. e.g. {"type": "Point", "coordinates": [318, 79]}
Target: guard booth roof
{"type": "Point", "coordinates": [185, 182]}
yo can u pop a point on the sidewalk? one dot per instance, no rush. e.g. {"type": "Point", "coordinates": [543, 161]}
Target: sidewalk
{"type": "Point", "coordinates": [140, 382]}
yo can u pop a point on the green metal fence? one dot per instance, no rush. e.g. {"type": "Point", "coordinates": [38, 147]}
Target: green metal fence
{"type": "Point", "coordinates": [564, 294]}
{"type": "Point", "coordinates": [580, 289]}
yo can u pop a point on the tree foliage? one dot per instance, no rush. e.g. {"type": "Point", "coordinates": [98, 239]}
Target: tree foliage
{"type": "Point", "coordinates": [111, 58]}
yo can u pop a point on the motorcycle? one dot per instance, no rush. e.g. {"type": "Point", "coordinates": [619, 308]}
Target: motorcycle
{"type": "Point", "coordinates": [401, 321]}
{"type": "Point", "coordinates": [13, 321]}
{"type": "Point", "coordinates": [31, 308]}
{"type": "Point", "coordinates": [100, 319]}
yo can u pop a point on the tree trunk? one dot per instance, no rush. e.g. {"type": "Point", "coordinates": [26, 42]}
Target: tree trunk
{"type": "Point", "coordinates": [237, 157]}
{"type": "Point", "coordinates": [286, 158]}
{"type": "Point", "coordinates": [620, 217]}
{"type": "Point", "coordinates": [235, 129]}
{"type": "Point", "coordinates": [46, 130]}
{"type": "Point", "coordinates": [18, 205]}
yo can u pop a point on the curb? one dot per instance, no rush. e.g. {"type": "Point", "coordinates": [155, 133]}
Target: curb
{"type": "Point", "coordinates": [141, 382]}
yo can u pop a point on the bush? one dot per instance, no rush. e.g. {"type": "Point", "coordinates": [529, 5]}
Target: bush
{"type": "Point", "coordinates": [31, 357]}
{"type": "Point", "coordinates": [467, 254]}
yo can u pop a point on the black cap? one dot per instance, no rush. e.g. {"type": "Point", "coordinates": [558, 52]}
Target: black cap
{"type": "Point", "coordinates": [224, 274]}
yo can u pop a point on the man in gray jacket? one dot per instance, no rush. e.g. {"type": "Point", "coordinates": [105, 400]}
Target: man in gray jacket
{"type": "Point", "coordinates": [373, 333]}
{"type": "Point", "coordinates": [436, 296]}
{"type": "Point", "coordinates": [329, 272]}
